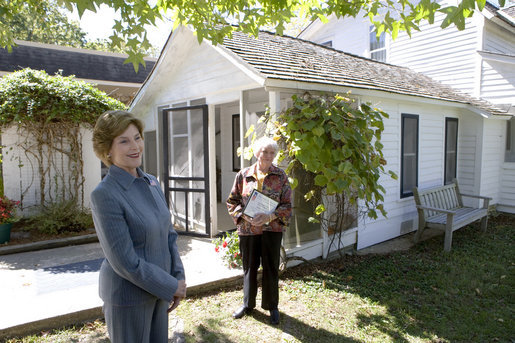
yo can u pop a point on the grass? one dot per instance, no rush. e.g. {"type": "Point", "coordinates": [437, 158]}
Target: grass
{"type": "Point", "coordinates": [421, 295]}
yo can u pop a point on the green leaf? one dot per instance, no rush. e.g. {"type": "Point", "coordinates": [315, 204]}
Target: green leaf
{"type": "Point", "coordinates": [294, 182]}
{"type": "Point", "coordinates": [318, 131]}
{"type": "Point", "coordinates": [319, 209]}
{"type": "Point", "coordinates": [321, 180]}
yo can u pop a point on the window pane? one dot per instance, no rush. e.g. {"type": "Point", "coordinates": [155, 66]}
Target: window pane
{"type": "Point", "coordinates": [236, 163]}
{"type": "Point", "coordinates": [409, 168]}
{"type": "Point", "coordinates": [377, 46]}
{"type": "Point", "coordinates": [379, 55]}
{"type": "Point", "coordinates": [451, 141]}
{"type": "Point", "coordinates": [510, 141]}
{"type": "Point", "coordinates": [197, 142]}
{"type": "Point", "coordinates": [150, 160]}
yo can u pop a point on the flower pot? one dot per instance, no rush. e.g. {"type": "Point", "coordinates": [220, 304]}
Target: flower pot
{"type": "Point", "coordinates": [5, 232]}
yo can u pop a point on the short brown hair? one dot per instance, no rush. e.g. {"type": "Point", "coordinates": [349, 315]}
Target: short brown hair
{"type": "Point", "coordinates": [110, 125]}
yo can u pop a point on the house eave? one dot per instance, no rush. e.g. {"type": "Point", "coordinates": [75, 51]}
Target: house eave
{"type": "Point", "coordinates": [295, 85]}
{"type": "Point", "coordinates": [497, 57]}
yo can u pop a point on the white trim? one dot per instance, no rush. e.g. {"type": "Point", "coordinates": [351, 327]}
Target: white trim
{"type": "Point", "coordinates": [211, 138]}
{"type": "Point", "coordinates": [275, 84]}
{"type": "Point", "coordinates": [497, 57]}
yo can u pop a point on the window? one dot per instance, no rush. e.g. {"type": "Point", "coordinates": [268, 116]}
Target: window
{"type": "Point", "coordinates": [510, 141]}
{"type": "Point", "coordinates": [451, 148]}
{"type": "Point", "coordinates": [236, 162]}
{"type": "Point", "coordinates": [409, 154]}
{"type": "Point", "coordinates": [377, 46]}
{"type": "Point", "coordinates": [150, 154]}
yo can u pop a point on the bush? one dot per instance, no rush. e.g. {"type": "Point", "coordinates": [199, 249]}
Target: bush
{"type": "Point", "coordinates": [61, 217]}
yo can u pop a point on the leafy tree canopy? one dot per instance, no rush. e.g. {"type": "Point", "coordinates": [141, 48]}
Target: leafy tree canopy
{"type": "Point", "coordinates": [219, 18]}
{"type": "Point", "coordinates": [44, 21]}
{"type": "Point", "coordinates": [34, 96]}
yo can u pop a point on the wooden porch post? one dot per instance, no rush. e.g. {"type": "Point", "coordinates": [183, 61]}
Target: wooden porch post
{"type": "Point", "coordinates": [211, 138]}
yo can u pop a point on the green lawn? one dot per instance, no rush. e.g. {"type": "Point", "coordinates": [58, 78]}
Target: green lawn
{"type": "Point", "coordinates": [421, 295]}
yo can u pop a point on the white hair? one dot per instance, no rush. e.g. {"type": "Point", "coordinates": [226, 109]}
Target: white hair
{"type": "Point", "coordinates": [262, 143]}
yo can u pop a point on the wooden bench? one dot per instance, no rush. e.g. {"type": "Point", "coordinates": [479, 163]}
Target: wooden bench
{"type": "Point", "coordinates": [442, 208]}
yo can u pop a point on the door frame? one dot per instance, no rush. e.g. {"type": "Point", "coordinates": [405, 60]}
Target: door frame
{"type": "Point", "coordinates": [167, 178]}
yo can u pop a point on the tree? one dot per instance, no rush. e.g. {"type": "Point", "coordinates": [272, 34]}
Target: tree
{"type": "Point", "coordinates": [217, 19]}
{"type": "Point", "coordinates": [46, 22]}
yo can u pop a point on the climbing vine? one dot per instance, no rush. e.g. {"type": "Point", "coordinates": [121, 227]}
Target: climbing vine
{"type": "Point", "coordinates": [49, 113]}
{"type": "Point", "coordinates": [333, 146]}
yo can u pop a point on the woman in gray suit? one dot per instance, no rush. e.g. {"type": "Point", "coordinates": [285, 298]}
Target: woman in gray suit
{"type": "Point", "coordinates": [142, 277]}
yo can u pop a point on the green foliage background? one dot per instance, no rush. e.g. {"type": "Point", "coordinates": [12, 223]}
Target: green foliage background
{"type": "Point", "coordinates": [34, 96]}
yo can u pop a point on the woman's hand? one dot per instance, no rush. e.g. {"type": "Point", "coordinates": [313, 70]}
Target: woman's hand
{"type": "Point", "coordinates": [180, 294]}
{"type": "Point", "coordinates": [260, 219]}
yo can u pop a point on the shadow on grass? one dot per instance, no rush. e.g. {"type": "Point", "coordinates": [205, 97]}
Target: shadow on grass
{"type": "Point", "coordinates": [462, 296]}
{"type": "Point", "coordinates": [289, 327]}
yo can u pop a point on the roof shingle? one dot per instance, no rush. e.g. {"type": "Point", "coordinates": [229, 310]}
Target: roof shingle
{"type": "Point", "coordinates": [288, 58]}
{"type": "Point", "coordinates": [84, 64]}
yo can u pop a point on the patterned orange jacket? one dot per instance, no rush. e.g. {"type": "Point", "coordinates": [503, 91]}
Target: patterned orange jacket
{"type": "Point", "coordinates": [275, 185]}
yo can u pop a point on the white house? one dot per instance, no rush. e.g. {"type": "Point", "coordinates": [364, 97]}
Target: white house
{"type": "Point", "coordinates": [479, 60]}
{"type": "Point", "coordinates": [200, 99]}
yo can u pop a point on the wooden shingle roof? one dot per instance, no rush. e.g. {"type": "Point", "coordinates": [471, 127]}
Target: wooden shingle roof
{"type": "Point", "coordinates": [84, 64]}
{"type": "Point", "coordinates": [288, 58]}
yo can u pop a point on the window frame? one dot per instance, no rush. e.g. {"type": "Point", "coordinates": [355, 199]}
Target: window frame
{"type": "Point", "coordinates": [403, 193]}
{"type": "Point", "coordinates": [381, 48]}
{"type": "Point", "coordinates": [447, 120]}
{"type": "Point", "coordinates": [235, 142]}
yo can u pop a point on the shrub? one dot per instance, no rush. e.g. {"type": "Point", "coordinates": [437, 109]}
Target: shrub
{"type": "Point", "coordinates": [60, 217]}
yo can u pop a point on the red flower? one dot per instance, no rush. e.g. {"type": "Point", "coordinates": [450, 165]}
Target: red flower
{"type": "Point", "coordinates": [224, 244]}
{"type": "Point", "coordinates": [216, 249]}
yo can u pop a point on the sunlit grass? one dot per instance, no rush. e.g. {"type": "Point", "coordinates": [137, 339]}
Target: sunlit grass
{"type": "Point", "coordinates": [421, 295]}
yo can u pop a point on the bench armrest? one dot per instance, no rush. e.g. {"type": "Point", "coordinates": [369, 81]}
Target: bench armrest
{"type": "Point", "coordinates": [420, 207]}
{"type": "Point", "coordinates": [476, 196]}
{"type": "Point", "coordinates": [486, 200]}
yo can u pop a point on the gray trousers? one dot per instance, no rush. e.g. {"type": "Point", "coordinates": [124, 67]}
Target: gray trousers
{"type": "Point", "coordinates": [147, 323]}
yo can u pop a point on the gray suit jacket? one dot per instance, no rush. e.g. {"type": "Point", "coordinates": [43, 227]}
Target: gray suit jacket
{"type": "Point", "coordinates": [133, 226]}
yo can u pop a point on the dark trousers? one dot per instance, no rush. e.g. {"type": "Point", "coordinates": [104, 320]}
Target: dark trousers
{"type": "Point", "coordinates": [262, 249]}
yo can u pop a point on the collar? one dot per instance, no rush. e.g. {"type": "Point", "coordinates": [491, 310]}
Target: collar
{"type": "Point", "coordinates": [124, 178]}
{"type": "Point", "coordinates": [251, 171]}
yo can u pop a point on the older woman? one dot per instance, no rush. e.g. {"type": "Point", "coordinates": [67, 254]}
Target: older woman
{"type": "Point", "coordinates": [261, 235]}
{"type": "Point", "coordinates": [142, 277]}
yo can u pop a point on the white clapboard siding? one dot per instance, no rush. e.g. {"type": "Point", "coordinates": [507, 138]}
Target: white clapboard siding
{"type": "Point", "coordinates": [507, 194]}
{"type": "Point", "coordinates": [446, 55]}
{"type": "Point", "coordinates": [493, 158]}
{"type": "Point", "coordinates": [498, 40]}
{"type": "Point", "coordinates": [22, 176]}
{"type": "Point", "coordinates": [498, 82]}
{"type": "Point", "coordinates": [349, 34]}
